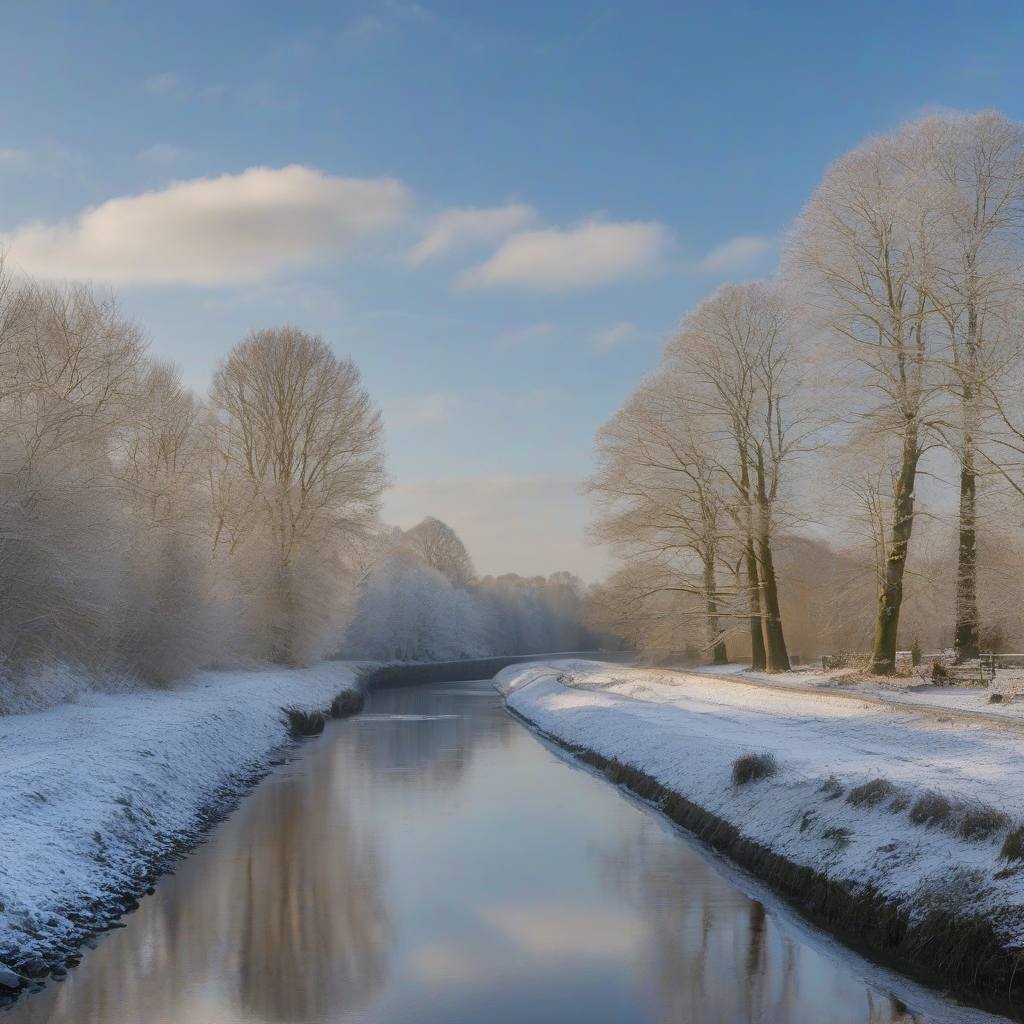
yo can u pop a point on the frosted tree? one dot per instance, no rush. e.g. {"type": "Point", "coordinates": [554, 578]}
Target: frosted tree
{"type": "Point", "coordinates": [975, 168]}
{"type": "Point", "coordinates": [440, 547]}
{"type": "Point", "coordinates": [658, 502]}
{"type": "Point", "coordinates": [297, 466]}
{"type": "Point", "coordinates": [734, 353]}
{"type": "Point", "coordinates": [863, 259]}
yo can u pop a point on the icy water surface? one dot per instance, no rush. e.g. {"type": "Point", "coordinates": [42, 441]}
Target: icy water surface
{"type": "Point", "coordinates": [430, 860]}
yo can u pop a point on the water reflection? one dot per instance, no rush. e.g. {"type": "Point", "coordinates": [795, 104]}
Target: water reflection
{"type": "Point", "coordinates": [431, 861]}
{"type": "Point", "coordinates": [714, 954]}
{"type": "Point", "coordinates": [281, 918]}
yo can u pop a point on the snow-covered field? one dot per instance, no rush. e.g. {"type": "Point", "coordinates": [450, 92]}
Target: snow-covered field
{"type": "Point", "coordinates": [686, 729]}
{"type": "Point", "coordinates": [97, 794]}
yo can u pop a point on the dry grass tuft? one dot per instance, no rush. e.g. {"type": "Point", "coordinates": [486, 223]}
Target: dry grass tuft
{"type": "Point", "coordinates": [1013, 845]}
{"type": "Point", "coordinates": [305, 723]}
{"type": "Point", "coordinates": [871, 793]}
{"type": "Point", "coordinates": [931, 809]}
{"type": "Point", "coordinates": [979, 822]}
{"type": "Point", "coordinates": [753, 768]}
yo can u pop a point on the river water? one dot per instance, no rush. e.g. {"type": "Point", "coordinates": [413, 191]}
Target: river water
{"type": "Point", "coordinates": [431, 861]}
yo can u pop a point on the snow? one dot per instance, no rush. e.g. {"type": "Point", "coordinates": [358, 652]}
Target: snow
{"type": "Point", "coordinates": [686, 729]}
{"type": "Point", "coordinates": [96, 794]}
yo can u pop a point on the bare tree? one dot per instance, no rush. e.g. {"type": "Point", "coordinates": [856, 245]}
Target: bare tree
{"type": "Point", "coordinates": [862, 257]}
{"type": "Point", "coordinates": [735, 353]}
{"type": "Point", "coordinates": [658, 502]}
{"type": "Point", "coordinates": [298, 450]}
{"type": "Point", "coordinates": [440, 547]}
{"type": "Point", "coordinates": [975, 166]}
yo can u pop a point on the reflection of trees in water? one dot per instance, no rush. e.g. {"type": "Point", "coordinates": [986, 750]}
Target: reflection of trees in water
{"type": "Point", "coordinates": [712, 954]}
{"type": "Point", "coordinates": [430, 754]}
{"type": "Point", "coordinates": [312, 928]}
{"type": "Point", "coordinates": [281, 916]}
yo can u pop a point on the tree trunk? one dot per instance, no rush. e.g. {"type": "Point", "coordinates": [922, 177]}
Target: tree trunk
{"type": "Point", "coordinates": [719, 656]}
{"type": "Point", "coordinates": [966, 640]}
{"type": "Point", "coordinates": [758, 661]}
{"type": "Point", "coordinates": [965, 637]}
{"type": "Point", "coordinates": [778, 656]}
{"type": "Point", "coordinates": [890, 594]}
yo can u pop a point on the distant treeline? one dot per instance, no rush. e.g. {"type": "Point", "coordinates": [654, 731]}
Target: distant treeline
{"type": "Point", "coordinates": [146, 532]}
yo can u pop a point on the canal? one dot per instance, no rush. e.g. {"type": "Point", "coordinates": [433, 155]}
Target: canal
{"type": "Point", "coordinates": [431, 860]}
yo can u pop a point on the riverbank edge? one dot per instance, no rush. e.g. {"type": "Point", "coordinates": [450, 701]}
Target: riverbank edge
{"type": "Point", "coordinates": [53, 956]}
{"type": "Point", "coordinates": [962, 954]}
{"type": "Point", "coordinates": [97, 916]}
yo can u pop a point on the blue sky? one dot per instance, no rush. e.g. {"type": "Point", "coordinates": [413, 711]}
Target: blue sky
{"type": "Point", "coordinates": [499, 210]}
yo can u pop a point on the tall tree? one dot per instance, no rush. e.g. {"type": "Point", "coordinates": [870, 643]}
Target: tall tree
{"type": "Point", "coordinates": [862, 257]}
{"type": "Point", "coordinates": [299, 450]}
{"type": "Point", "coordinates": [735, 351]}
{"type": "Point", "coordinates": [658, 503]}
{"type": "Point", "coordinates": [975, 168]}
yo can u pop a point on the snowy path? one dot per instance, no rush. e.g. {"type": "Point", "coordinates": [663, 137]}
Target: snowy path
{"type": "Point", "coordinates": [686, 730]}
{"type": "Point", "coordinates": [94, 795]}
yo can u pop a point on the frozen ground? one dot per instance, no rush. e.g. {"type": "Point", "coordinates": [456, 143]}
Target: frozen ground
{"type": "Point", "coordinates": [687, 728]}
{"type": "Point", "coordinates": [96, 795]}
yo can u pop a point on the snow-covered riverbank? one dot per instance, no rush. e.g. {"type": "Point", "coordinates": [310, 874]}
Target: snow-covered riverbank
{"type": "Point", "coordinates": [99, 796]}
{"type": "Point", "coordinates": [906, 809]}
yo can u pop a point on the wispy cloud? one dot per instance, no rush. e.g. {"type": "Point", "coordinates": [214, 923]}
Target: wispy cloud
{"type": "Point", "coordinates": [526, 335]}
{"type": "Point", "coordinates": [736, 254]}
{"type": "Point", "coordinates": [607, 338]}
{"type": "Point", "coordinates": [51, 160]}
{"type": "Point", "coordinates": [18, 159]}
{"type": "Point", "coordinates": [455, 225]}
{"type": "Point", "coordinates": [554, 260]}
{"type": "Point", "coordinates": [233, 229]}
{"type": "Point", "coordinates": [401, 413]}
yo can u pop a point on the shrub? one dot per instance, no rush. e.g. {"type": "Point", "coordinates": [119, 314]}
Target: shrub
{"type": "Point", "coordinates": [915, 651]}
{"type": "Point", "coordinates": [930, 809]}
{"type": "Point", "coordinates": [995, 698]}
{"type": "Point", "coordinates": [348, 702]}
{"type": "Point", "coordinates": [979, 822]}
{"type": "Point", "coordinates": [871, 793]}
{"type": "Point", "coordinates": [939, 672]}
{"type": "Point", "coordinates": [753, 768]}
{"type": "Point", "coordinates": [305, 723]}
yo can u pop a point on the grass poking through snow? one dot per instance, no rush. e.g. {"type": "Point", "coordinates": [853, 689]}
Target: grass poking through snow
{"type": "Point", "coordinates": [753, 767]}
{"type": "Point", "coordinates": [871, 793]}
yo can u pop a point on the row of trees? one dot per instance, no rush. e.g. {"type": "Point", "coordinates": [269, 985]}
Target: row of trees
{"type": "Point", "coordinates": [890, 346]}
{"type": "Point", "coordinates": [422, 601]}
{"type": "Point", "coordinates": [144, 531]}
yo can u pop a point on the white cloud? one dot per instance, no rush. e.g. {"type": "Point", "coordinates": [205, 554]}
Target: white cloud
{"type": "Point", "coordinates": [456, 225]}
{"type": "Point", "coordinates": [607, 338]}
{"type": "Point", "coordinates": [553, 260]}
{"type": "Point", "coordinates": [400, 413]}
{"type": "Point", "coordinates": [234, 229]}
{"type": "Point", "coordinates": [16, 158]}
{"type": "Point", "coordinates": [529, 525]}
{"type": "Point", "coordinates": [526, 335]}
{"type": "Point", "coordinates": [736, 254]}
